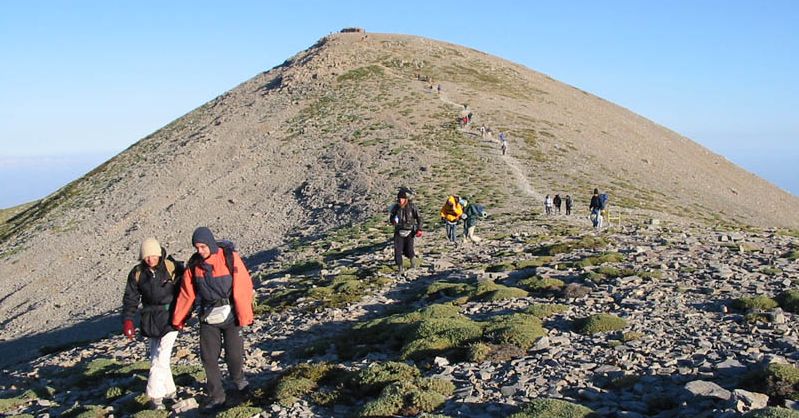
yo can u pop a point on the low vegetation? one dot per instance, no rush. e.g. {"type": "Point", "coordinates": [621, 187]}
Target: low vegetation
{"type": "Point", "coordinates": [600, 323]}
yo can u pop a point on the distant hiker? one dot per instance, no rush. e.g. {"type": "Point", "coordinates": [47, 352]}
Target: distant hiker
{"type": "Point", "coordinates": [407, 226]}
{"type": "Point", "coordinates": [469, 117]}
{"type": "Point", "coordinates": [471, 213]}
{"type": "Point", "coordinates": [483, 131]}
{"type": "Point", "coordinates": [557, 201]}
{"type": "Point", "coordinates": [503, 140]}
{"type": "Point", "coordinates": [450, 213]}
{"type": "Point", "coordinates": [217, 277]}
{"type": "Point", "coordinates": [568, 205]}
{"type": "Point", "coordinates": [154, 283]}
{"type": "Point", "coordinates": [548, 205]}
{"type": "Point", "coordinates": [596, 210]}
{"type": "Point", "coordinates": [439, 88]}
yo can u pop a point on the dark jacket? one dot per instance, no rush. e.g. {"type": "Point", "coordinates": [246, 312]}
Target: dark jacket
{"type": "Point", "coordinates": [594, 202]}
{"type": "Point", "coordinates": [568, 201]}
{"type": "Point", "coordinates": [409, 218]}
{"type": "Point", "coordinates": [157, 291]}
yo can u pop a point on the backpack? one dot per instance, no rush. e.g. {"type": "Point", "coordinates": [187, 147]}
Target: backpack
{"type": "Point", "coordinates": [603, 201]}
{"type": "Point", "coordinates": [169, 262]}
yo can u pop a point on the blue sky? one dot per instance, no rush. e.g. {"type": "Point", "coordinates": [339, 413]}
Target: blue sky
{"type": "Point", "coordinates": [83, 80]}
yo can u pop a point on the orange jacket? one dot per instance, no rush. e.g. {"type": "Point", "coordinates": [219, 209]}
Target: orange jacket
{"type": "Point", "coordinates": [241, 282]}
{"type": "Point", "coordinates": [452, 209]}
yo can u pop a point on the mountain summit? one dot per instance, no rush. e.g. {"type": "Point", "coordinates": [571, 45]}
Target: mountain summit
{"type": "Point", "coordinates": [323, 140]}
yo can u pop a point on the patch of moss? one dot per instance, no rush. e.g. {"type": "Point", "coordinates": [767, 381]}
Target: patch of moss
{"type": "Point", "coordinates": [9, 404]}
{"type": "Point", "coordinates": [541, 284]}
{"type": "Point", "coordinates": [535, 262]}
{"type": "Point", "coordinates": [374, 378]}
{"type": "Point", "coordinates": [240, 412]}
{"type": "Point", "coordinates": [600, 323]}
{"type": "Point", "coordinates": [439, 336]}
{"type": "Point", "coordinates": [587, 242]}
{"type": "Point", "coordinates": [601, 259]}
{"type": "Point", "coordinates": [545, 310]}
{"type": "Point", "coordinates": [300, 381]}
{"type": "Point", "coordinates": [496, 268]}
{"type": "Point", "coordinates": [478, 352]}
{"type": "Point", "coordinates": [489, 291]}
{"type": "Point", "coordinates": [521, 330]}
{"type": "Point", "coordinates": [792, 255]}
{"type": "Point", "coordinates": [772, 412]}
{"type": "Point", "coordinates": [631, 336]}
{"type": "Point", "coordinates": [613, 272]}
{"type": "Point", "coordinates": [650, 275]}
{"type": "Point", "coordinates": [760, 302]}
{"type": "Point", "coordinates": [789, 300]}
{"type": "Point", "coordinates": [553, 408]}
{"type": "Point", "coordinates": [771, 271]}
{"type": "Point", "coordinates": [114, 392]}
{"type": "Point", "coordinates": [409, 398]}
{"type": "Point", "coordinates": [449, 289]}
{"type": "Point", "coordinates": [778, 381]}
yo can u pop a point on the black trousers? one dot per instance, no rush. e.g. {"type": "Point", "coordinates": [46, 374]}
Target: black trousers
{"type": "Point", "coordinates": [211, 343]}
{"type": "Point", "coordinates": [403, 246]}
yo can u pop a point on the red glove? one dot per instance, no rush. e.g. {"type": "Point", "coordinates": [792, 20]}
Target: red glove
{"type": "Point", "coordinates": [128, 329]}
{"type": "Point", "coordinates": [418, 234]}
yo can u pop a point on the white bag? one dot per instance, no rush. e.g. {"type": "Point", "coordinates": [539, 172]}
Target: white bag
{"type": "Point", "coordinates": [218, 315]}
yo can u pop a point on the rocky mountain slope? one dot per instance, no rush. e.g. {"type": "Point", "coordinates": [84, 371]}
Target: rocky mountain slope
{"type": "Point", "coordinates": [658, 320]}
{"type": "Point", "coordinates": [320, 143]}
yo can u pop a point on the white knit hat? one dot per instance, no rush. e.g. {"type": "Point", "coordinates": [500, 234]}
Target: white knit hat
{"type": "Point", "coordinates": [150, 247]}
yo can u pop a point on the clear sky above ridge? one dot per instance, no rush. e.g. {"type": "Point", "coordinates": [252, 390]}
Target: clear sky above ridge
{"type": "Point", "coordinates": [83, 80]}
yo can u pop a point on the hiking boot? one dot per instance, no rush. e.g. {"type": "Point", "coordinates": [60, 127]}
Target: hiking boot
{"type": "Point", "coordinates": [212, 407]}
{"type": "Point", "coordinates": [157, 404]}
{"type": "Point", "coordinates": [400, 270]}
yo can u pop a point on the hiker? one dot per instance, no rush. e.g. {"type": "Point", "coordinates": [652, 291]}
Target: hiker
{"type": "Point", "coordinates": [568, 205]}
{"type": "Point", "coordinates": [483, 131]}
{"type": "Point", "coordinates": [154, 283]}
{"type": "Point", "coordinates": [438, 88]}
{"type": "Point", "coordinates": [407, 226]}
{"type": "Point", "coordinates": [471, 213]}
{"type": "Point", "coordinates": [451, 212]}
{"type": "Point", "coordinates": [548, 205]}
{"type": "Point", "coordinates": [217, 277]}
{"type": "Point", "coordinates": [557, 201]}
{"type": "Point", "coordinates": [503, 140]}
{"type": "Point", "coordinates": [596, 210]}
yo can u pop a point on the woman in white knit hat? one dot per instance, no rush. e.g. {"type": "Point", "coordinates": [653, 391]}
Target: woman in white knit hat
{"type": "Point", "coordinates": [154, 282]}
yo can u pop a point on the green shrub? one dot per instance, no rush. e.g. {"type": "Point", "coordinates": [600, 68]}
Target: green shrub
{"type": "Point", "coordinates": [300, 381]}
{"type": "Point", "coordinates": [650, 275]}
{"type": "Point", "coordinates": [114, 392]}
{"type": "Point", "coordinates": [496, 268]}
{"type": "Point", "coordinates": [771, 271]}
{"type": "Point", "coordinates": [409, 398]}
{"type": "Point", "coordinates": [760, 302]}
{"type": "Point", "coordinates": [545, 310]}
{"type": "Point", "coordinates": [772, 412]}
{"type": "Point", "coordinates": [631, 336]}
{"type": "Point", "coordinates": [8, 404]}
{"type": "Point", "coordinates": [792, 255]}
{"type": "Point", "coordinates": [374, 378]}
{"type": "Point", "coordinates": [478, 352]}
{"type": "Point", "coordinates": [600, 323]}
{"type": "Point", "coordinates": [521, 330]}
{"type": "Point", "coordinates": [540, 284]}
{"type": "Point", "coordinates": [449, 289]}
{"type": "Point", "coordinates": [438, 336]}
{"type": "Point", "coordinates": [553, 408]}
{"type": "Point", "coordinates": [789, 300]}
{"type": "Point", "coordinates": [535, 262]}
{"type": "Point", "coordinates": [489, 291]}
{"type": "Point", "coordinates": [601, 259]}
{"type": "Point", "coordinates": [240, 412]}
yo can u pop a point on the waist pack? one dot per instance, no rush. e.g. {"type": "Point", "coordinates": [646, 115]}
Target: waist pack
{"type": "Point", "coordinates": [216, 315]}
{"type": "Point", "coordinates": [404, 233]}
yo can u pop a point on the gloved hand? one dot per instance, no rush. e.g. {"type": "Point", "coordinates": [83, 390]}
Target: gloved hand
{"type": "Point", "coordinates": [464, 216]}
{"type": "Point", "coordinates": [128, 329]}
{"type": "Point", "coordinates": [418, 234]}
{"type": "Point", "coordinates": [178, 327]}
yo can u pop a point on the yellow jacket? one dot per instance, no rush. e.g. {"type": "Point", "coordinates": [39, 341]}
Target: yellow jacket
{"type": "Point", "coordinates": [452, 209]}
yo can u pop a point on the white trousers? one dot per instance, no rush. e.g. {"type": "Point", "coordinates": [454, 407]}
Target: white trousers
{"type": "Point", "coordinates": [160, 382]}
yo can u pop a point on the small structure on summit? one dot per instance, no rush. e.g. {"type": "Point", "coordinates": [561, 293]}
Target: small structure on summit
{"type": "Point", "coordinates": [353, 30]}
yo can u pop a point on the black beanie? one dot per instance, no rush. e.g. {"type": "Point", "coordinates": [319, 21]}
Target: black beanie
{"type": "Point", "coordinates": [203, 235]}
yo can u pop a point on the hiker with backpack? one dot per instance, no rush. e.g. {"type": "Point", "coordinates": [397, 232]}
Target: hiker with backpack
{"type": "Point", "coordinates": [597, 205]}
{"type": "Point", "coordinates": [568, 201]}
{"type": "Point", "coordinates": [154, 283]}
{"type": "Point", "coordinates": [557, 202]}
{"type": "Point", "coordinates": [407, 226]}
{"type": "Point", "coordinates": [451, 213]}
{"type": "Point", "coordinates": [218, 280]}
{"type": "Point", "coordinates": [471, 213]}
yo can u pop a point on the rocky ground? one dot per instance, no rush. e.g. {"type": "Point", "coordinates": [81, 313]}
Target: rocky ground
{"type": "Point", "coordinates": [688, 342]}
